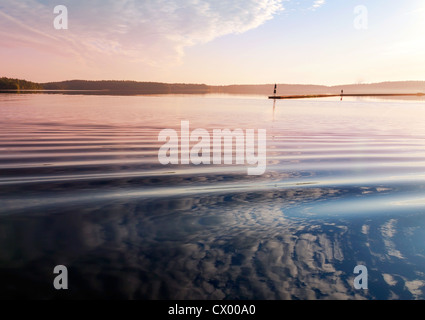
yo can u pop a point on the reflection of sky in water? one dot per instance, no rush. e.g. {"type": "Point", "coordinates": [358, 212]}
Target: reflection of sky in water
{"type": "Point", "coordinates": [344, 187]}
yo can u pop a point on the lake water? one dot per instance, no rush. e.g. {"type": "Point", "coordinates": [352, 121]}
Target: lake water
{"type": "Point", "coordinates": [81, 186]}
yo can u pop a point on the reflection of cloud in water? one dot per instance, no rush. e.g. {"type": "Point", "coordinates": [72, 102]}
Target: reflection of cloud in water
{"type": "Point", "coordinates": [389, 279]}
{"type": "Point", "coordinates": [388, 231]}
{"type": "Point", "coordinates": [415, 287]}
{"type": "Point", "coordinates": [213, 247]}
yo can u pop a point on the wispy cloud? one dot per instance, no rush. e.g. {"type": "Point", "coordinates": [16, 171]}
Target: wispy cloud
{"type": "Point", "coordinates": [152, 32]}
{"type": "Point", "coordinates": [317, 4]}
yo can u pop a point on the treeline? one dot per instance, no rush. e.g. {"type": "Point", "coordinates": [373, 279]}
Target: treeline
{"type": "Point", "coordinates": [267, 89]}
{"type": "Point", "coordinates": [301, 89]}
{"type": "Point", "coordinates": [134, 87]}
{"type": "Point", "coordinates": [18, 84]}
{"type": "Point", "coordinates": [127, 87]}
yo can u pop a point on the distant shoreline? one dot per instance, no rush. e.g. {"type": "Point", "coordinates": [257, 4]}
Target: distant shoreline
{"type": "Point", "coordinates": [95, 92]}
{"type": "Point", "coordinates": [277, 97]}
{"type": "Point", "coordinates": [114, 87]}
{"type": "Point", "coordinates": [49, 91]}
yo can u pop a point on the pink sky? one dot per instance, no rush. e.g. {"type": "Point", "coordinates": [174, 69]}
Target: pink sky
{"type": "Point", "coordinates": [213, 41]}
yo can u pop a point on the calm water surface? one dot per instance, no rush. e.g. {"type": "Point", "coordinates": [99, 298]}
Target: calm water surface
{"type": "Point", "coordinates": [81, 186]}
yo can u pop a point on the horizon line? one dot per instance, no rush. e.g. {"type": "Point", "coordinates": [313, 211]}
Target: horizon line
{"type": "Point", "coordinates": [222, 85]}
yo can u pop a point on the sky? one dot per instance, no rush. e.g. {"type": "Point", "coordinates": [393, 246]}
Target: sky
{"type": "Point", "coordinates": [215, 42]}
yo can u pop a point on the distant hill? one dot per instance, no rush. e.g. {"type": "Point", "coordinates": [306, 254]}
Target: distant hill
{"type": "Point", "coordinates": [129, 87]}
{"type": "Point", "coordinates": [299, 89]}
{"type": "Point", "coordinates": [17, 84]}
{"type": "Point", "coordinates": [134, 87]}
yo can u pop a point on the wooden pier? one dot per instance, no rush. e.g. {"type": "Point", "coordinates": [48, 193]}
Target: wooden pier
{"type": "Point", "coordinates": [309, 96]}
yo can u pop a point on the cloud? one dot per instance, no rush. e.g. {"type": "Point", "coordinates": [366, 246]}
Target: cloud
{"type": "Point", "coordinates": [151, 32]}
{"type": "Point", "coordinates": [317, 4]}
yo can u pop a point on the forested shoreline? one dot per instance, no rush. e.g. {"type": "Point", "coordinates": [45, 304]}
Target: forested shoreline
{"type": "Point", "coordinates": [135, 87]}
